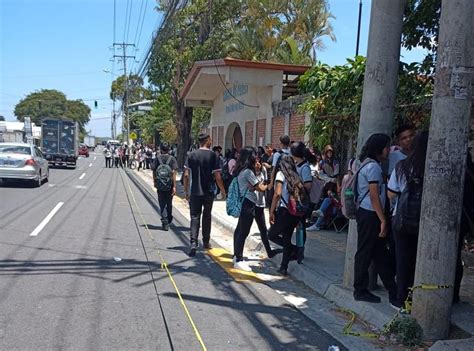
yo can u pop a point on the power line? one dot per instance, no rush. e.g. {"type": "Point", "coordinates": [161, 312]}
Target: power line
{"type": "Point", "coordinates": [125, 22]}
{"type": "Point", "coordinates": [129, 18]}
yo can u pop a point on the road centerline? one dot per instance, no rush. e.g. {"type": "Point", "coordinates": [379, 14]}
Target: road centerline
{"type": "Point", "coordinates": [95, 158]}
{"type": "Point", "coordinates": [90, 164]}
{"type": "Point", "coordinates": [82, 176]}
{"type": "Point", "coordinates": [45, 221]}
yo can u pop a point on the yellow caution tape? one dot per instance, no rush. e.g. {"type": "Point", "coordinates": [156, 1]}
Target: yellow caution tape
{"type": "Point", "coordinates": [164, 266]}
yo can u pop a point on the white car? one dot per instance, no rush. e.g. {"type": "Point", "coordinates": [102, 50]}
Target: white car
{"type": "Point", "coordinates": [23, 161]}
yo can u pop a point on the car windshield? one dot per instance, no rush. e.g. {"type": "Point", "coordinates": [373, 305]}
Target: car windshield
{"type": "Point", "coordinates": [15, 149]}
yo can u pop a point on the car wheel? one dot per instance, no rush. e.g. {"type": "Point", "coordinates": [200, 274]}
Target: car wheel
{"type": "Point", "coordinates": [46, 179]}
{"type": "Point", "coordinates": [37, 183]}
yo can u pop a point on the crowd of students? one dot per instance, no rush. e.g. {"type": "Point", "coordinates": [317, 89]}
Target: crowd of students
{"type": "Point", "coordinates": [302, 190]}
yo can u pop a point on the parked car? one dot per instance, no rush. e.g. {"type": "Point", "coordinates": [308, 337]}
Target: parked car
{"type": "Point", "coordinates": [23, 161]}
{"type": "Point", "coordinates": [83, 151]}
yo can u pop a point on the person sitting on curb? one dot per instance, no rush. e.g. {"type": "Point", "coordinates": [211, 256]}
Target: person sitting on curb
{"type": "Point", "coordinates": [328, 209]}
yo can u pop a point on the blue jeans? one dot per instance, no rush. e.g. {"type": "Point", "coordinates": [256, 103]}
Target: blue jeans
{"type": "Point", "coordinates": [324, 208]}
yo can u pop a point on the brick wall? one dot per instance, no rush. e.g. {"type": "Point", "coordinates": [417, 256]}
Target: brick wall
{"type": "Point", "coordinates": [278, 129]}
{"type": "Point", "coordinates": [297, 127]}
{"type": "Point", "coordinates": [249, 133]}
{"type": "Point", "coordinates": [261, 128]}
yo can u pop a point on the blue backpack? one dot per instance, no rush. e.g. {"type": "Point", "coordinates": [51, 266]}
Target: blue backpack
{"type": "Point", "coordinates": [234, 199]}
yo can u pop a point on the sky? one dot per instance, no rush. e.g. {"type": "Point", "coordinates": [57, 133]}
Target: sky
{"type": "Point", "coordinates": [65, 45]}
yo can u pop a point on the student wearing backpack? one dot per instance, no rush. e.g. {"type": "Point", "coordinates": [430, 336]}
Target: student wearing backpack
{"type": "Point", "coordinates": [203, 166]}
{"type": "Point", "coordinates": [285, 150]}
{"type": "Point", "coordinates": [300, 155]}
{"type": "Point", "coordinates": [283, 217]}
{"type": "Point", "coordinates": [405, 187]}
{"type": "Point", "coordinates": [164, 170]}
{"type": "Point", "coordinates": [249, 185]}
{"type": "Point", "coordinates": [372, 228]}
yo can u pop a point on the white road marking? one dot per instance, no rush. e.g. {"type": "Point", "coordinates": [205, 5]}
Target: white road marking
{"type": "Point", "coordinates": [82, 176]}
{"type": "Point", "coordinates": [80, 187]}
{"type": "Point", "coordinates": [47, 219]}
{"type": "Point", "coordinates": [90, 164]}
{"type": "Point", "coordinates": [95, 158]}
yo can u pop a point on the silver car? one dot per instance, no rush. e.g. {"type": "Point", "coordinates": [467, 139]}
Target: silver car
{"type": "Point", "coordinates": [23, 161]}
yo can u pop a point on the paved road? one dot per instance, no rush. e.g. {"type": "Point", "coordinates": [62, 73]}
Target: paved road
{"type": "Point", "coordinates": [62, 289]}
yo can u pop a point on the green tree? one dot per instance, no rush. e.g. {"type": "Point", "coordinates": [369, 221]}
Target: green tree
{"type": "Point", "coordinates": [51, 103]}
{"type": "Point", "coordinates": [2, 118]}
{"type": "Point", "coordinates": [421, 28]}
{"type": "Point", "coordinates": [197, 30]}
{"type": "Point", "coordinates": [136, 91]}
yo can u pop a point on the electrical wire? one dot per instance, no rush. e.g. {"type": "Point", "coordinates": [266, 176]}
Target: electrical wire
{"type": "Point", "coordinates": [229, 92]}
{"type": "Point", "coordinates": [125, 22]}
{"type": "Point", "coordinates": [129, 19]}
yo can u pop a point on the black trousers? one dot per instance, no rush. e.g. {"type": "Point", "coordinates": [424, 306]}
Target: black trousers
{"type": "Point", "coordinates": [282, 231]}
{"type": "Point", "coordinates": [371, 247]}
{"type": "Point", "coordinates": [108, 162]}
{"type": "Point", "coordinates": [405, 249]}
{"type": "Point", "coordinates": [116, 161]}
{"type": "Point", "coordinates": [262, 228]}
{"type": "Point", "coordinates": [201, 205]}
{"type": "Point", "coordinates": [241, 232]}
{"type": "Point", "coordinates": [165, 200]}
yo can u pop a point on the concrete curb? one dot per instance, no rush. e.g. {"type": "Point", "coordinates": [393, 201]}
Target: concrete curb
{"type": "Point", "coordinates": [378, 314]}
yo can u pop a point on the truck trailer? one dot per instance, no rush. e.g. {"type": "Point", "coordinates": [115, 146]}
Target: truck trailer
{"type": "Point", "coordinates": [60, 141]}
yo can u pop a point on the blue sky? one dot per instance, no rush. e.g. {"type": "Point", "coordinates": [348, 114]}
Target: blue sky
{"type": "Point", "coordinates": [64, 45]}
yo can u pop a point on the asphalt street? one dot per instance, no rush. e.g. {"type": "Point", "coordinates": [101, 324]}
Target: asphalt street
{"type": "Point", "coordinates": [92, 277]}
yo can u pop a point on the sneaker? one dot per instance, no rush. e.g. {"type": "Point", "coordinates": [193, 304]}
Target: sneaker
{"type": "Point", "coordinates": [166, 227]}
{"type": "Point", "coordinates": [313, 228]}
{"type": "Point", "coordinates": [318, 213]}
{"type": "Point", "coordinates": [207, 246]}
{"type": "Point", "coordinates": [367, 297]}
{"type": "Point", "coordinates": [397, 306]}
{"type": "Point", "coordinates": [283, 271]}
{"type": "Point", "coordinates": [192, 252]}
{"type": "Point", "coordinates": [242, 265]}
{"type": "Point", "coordinates": [234, 260]}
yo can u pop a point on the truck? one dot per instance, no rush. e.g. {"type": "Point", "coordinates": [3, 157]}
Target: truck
{"type": "Point", "coordinates": [89, 141]}
{"type": "Point", "coordinates": [60, 141]}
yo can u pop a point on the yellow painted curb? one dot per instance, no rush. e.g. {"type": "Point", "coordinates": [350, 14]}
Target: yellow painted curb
{"type": "Point", "coordinates": [224, 259]}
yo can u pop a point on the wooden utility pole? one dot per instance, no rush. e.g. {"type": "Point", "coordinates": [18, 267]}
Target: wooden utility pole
{"type": "Point", "coordinates": [380, 87]}
{"type": "Point", "coordinates": [445, 168]}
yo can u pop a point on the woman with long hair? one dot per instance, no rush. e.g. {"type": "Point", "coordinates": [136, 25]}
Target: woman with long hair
{"type": "Point", "coordinates": [407, 176]}
{"type": "Point", "coordinates": [287, 183]}
{"type": "Point", "coordinates": [248, 185]}
{"type": "Point", "coordinates": [371, 221]}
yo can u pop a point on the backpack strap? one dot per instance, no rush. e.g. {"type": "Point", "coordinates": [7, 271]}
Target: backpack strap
{"type": "Point", "coordinates": [169, 160]}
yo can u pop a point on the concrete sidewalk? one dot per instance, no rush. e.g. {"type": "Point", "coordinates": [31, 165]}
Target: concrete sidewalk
{"type": "Point", "coordinates": [323, 266]}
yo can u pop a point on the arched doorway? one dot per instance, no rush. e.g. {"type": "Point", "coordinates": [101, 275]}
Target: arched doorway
{"type": "Point", "coordinates": [233, 137]}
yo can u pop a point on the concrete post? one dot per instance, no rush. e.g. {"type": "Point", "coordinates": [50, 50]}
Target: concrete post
{"type": "Point", "coordinates": [445, 167]}
{"type": "Point", "coordinates": [380, 86]}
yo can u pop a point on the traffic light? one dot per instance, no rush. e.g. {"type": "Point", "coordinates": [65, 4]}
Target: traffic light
{"type": "Point", "coordinates": [95, 103]}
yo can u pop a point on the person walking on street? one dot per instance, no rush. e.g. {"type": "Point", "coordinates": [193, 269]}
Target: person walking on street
{"type": "Point", "coordinates": [249, 185]}
{"type": "Point", "coordinates": [283, 223]}
{"type": "Point", "coordinates": [203, 164]}
{"type": "Point", "coordinates": [164, 170]}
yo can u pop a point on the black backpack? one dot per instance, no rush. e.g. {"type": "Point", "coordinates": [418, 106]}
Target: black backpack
{"type": "Point", "coordinates": [163, 175]}
{"type": "Point", "coordinates": [225, 170]}
{"type": "Point", "coordinates": [407, 218]}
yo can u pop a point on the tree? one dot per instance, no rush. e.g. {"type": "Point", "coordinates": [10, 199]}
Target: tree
{"type": "Point", "coordinates": [421, 28]}
{"type": "Point", "coordinates": [136, 91]}
{"type": "Point", "coordinates": [191, 32]}
{"type": "Point", "coordinates": [2, 118]}
{"type": "Point", "coordinates": [52, 103]}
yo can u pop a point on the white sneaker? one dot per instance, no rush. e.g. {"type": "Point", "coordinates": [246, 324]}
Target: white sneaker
{"type": "Point", "coordinates": [234, 260]}
{"type": "Point", "coordinates": [242, 265]}
{"type": "Point", "coordinates": [312, 228]}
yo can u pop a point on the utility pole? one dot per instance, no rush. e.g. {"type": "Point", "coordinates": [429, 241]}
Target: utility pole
{"type": "Point", "coordinates": [380, 87]}
{"type": "Point", "coordinates": [445, 169]}
{"type": "Point", "coordinates": [358, 27]}
{"type": "Point", "coordinates": [124, 58]}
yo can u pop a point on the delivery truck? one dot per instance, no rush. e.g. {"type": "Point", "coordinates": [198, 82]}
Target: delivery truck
{"type": "Point", "coordinates": [60, 141]}
{"type": "Point", "coordinates": [89, 141]}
